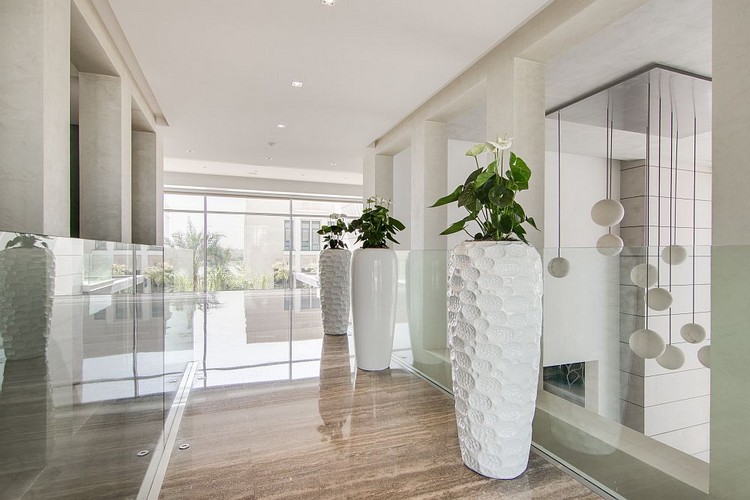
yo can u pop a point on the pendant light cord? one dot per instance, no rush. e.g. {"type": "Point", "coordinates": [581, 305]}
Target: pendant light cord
{"type": "Point", "coordinates": [647, 227]}
{"type": "Point", "coordinates": [559, 183]}
{"type": "Point", "coordinates": [695, 169]}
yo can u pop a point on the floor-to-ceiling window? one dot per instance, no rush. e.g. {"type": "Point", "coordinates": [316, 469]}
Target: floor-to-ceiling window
{"type": "Point", "coordinates": [223, 243]}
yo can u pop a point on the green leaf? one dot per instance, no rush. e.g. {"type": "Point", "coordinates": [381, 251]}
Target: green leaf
{"type": "Point", "coordinates": [531, 221]}
{"type": "Point", "coordinates": [520, 171]}
{"type": "Point", "coordinates": [492, 167]}
{"type": "Point", "coordinates": [482, 178]}
{"type": "Point", "coordinates": [467, 198]}
{"type": "Point", "coordinates": [506, 223]}
{"type": "Point", "coordinates": [449, 198]}
{"type": "Point", "coordinates": [506, 199]}
{"type": "Point", "coordinates": [496, 193]}
{"type": "Point", "coordinates": [472, 177]}
{"type": "Point", "coordinates": [396, 223]}
{"type": "Point", "coordinates": [454, 228]}
{"type": "Point", "coordinates": [477, 150]}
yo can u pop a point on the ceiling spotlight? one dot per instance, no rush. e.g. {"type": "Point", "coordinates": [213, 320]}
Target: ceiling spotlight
{"type": "Point", "coordinates": [189, 151]}
{"type": "Point", "coordinates": [280, 125]}
{"type": "Point", "coordinates": [333, 163]}
{"type": "Point", "coordinates": [269, 158]}
{"type": "Point", "coordinates": [272, 144]}
{"type": "Point", "coordinates": [329, 3]}
{"type": "Point", "coordinates": [297, 83]}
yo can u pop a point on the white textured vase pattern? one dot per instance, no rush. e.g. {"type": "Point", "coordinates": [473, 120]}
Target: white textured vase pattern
{"type": "Point", "coordinates": [495, 326]}
{"type": "Point", "coordinates": [27, 284]}
{"type": "Point", "coordinates": [334, 290]}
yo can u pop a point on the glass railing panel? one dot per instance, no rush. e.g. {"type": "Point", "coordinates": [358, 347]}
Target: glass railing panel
{"type": "Point", "coordinates": [82, 366]}
{"type": "Point", "coordinates": [627, 423]}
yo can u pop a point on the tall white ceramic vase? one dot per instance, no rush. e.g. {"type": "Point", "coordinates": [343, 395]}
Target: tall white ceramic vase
{"type": "Point", "coordinates": [374, 281]}
{"type": "Point", "coordinates": [495, 327]}
{"type": "Point", "coordinates": [333, 268]}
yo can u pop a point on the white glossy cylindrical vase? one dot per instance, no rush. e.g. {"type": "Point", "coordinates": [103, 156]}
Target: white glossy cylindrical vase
{"type": "Point", "coordinates": [374, 281]}
{"type": "Point", "coordinates": [495, 327]}
{"type": "Point", "coordinates": [333, 265]}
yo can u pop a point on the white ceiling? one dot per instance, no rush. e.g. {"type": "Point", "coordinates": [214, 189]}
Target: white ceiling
{"type": "Point", "coordinates": [221, 71]}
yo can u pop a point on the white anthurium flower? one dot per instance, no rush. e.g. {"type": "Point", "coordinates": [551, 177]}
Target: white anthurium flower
{"type": "Point", "coordinates": [504, 143]}
{"type": "Point", "coordinates": [492, 146]}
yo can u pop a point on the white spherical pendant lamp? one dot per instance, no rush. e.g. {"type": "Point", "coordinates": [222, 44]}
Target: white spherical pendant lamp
{"type": "Point", "coordinates": [646, 344]}
{"type": "Point", "coordinates": [672, 358]}
{"type": "Point", "coordinates": [693, 333]}
{"type": "Point", "coordinates": [674, 254]}
{"type": "Point", "coordinates": [559, 267]}
{"type": "Point", "coordinates": [607, 212]}
{"type": "Point", "coordinates": [659, 299]}
{"type": "Point", "coordinates": [704, 356]}
{"type": "Point", "coordinates": [609, 245]}
{"type": "Point", "coordinates": [644, 275]}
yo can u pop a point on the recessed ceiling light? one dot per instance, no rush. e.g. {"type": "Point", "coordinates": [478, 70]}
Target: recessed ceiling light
{"type": "Point", "coordinates": [269, 158]}
{"type": "Point", "coordinates": [329, 3]}
{"type": "Point", "coordinates": [297, 83]}
{"type": "Point", "coordinates": [333, 163]}
{"type": "Point", "coordinates": [280, 125]}
{"type": "Point", "coordinates": [189, 151]}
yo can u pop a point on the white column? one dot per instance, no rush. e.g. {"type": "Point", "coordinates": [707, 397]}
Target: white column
{"type": "Point", "coordinates": [148, 173]}
{"type": "Point", "coordinates": [515, 105]}
{"type": "Point", "coordinates": [35, 117]}
{"type": "Point", "coordinates": [429, 171]}
{"type": "Point", "coordinates": [427, 265]}
{"type": "Point", "coordinates": [730, 264]}
{"type": "Point", "coordinates": [105, 158]}
{"type": "Point", "coordinates": [378, 176]}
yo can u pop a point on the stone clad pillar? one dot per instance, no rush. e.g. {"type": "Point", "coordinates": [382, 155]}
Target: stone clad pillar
{"type": "Point", "coordinates": [105, 158]}
{"type": "Point", "coordinates": [730, 255]}
{"type": "Point", "coordinates": [429, 172]}
{"type": "Point", "coordinates": [378, 176]}
{"type": "Point", "coordinates": [147, 194]}
{"type": "Point", "coordinates": [35, 118]}
{"type": "Point", "coordinates": [515, 105]}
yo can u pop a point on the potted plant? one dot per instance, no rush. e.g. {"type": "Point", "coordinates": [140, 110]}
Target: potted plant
{"type": "Point", "coordinates": [333, 265]}
{"type": "Point", "coordinates": [374, 280]}
{"type": "Point", "coordinates": [27, 284]}
{"type": "Point", "coordinates": [494, 315]}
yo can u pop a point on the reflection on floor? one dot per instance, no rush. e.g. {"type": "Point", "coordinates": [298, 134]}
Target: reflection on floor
{"type": "Point", "coordinates": [278, 410]}
{"type": "Point", "coordinates": [74, 417]}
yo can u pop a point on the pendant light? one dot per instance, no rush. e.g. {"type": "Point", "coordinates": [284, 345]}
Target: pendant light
{"type": "Point", "coordinates": [645, 342]}
{"type": "Point", "coordinates": [608, 212]}
{"type": "Point", "coordinates": [658, 298]}
{"type": "Point", "coordinates": [693, 332]}
{"type": "Point", "coordinates": [672, 358]}
{"type": "Point", "coordinates": [559, 266]}
{"type": "Point", "coordinates": [674, 254]}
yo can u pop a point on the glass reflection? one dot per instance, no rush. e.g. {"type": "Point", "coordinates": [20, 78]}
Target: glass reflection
{"type": "Point", "coordinates": [335, 400]}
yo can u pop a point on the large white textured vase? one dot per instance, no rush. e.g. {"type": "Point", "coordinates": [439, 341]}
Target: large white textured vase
{"type": "Point", "coordinates": [334, 289]}
{"type": "Point", "coordinates": [27, 284]}
{"type": "Point", "coordinates": [374, 280]}
{"type": "Point", "coordinates": [495, 327]}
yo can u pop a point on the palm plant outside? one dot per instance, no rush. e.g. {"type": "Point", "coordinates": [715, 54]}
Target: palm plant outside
{"type": "Point", "coordinates": [489, 195]}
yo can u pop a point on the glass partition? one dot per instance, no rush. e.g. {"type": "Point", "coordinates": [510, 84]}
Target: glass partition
{"type": "Point", "coordinates": [631, 425]}
{"type": "Point", "coordinates": [83, 365]}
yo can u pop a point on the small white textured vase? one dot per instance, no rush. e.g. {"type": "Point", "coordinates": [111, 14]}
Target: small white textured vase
{"type": "Point", "coordinates": [27, 287]}
{"type": "Point", "coordinates": [374, 280]}
{"type": "Point", "coordinates": [333, 268]}
{"type": "Point", "coordinates": [495, 327]}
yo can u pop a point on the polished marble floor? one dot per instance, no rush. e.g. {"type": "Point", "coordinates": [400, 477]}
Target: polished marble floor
{"type": "Point", "coordinates": [335, 433]}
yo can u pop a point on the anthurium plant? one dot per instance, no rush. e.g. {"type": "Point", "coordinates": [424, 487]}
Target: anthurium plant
{"type": "Point", "coordinates": [26, 240]}
{"type": "Point", "coordinates": [375, 227]}
{"type": "Point", "coordinates": [489, 195]}
{"type": "Point", "coordinates": [333, 233]}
